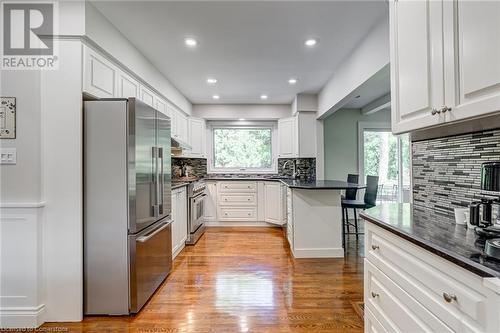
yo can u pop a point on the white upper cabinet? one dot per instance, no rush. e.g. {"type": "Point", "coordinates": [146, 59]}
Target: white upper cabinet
{"type": "Point", "coordinates": [127, 86]}
{"type": "Point", "coordinates": [297, 136]}
{"type": "Point", "coordinates": [444, 61]}
{"type": "Point", "coordinates": [197, 137]}
{"type": "Point", "coordinates": [161, 106]}
{"type": "Point", "coordinates": [100, 75]}
{"type": "Point", "coordinates": [147, 96]}
{"type": "Point", "coordinates": [472, 58]}
{"type": "Point", "coordinates": [416, 64]}
{"type": "Point", "coordinates": [287, 132]}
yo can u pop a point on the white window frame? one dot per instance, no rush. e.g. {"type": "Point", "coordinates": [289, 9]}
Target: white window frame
{"type": "Point", "coordinates": [381, 127]}
{"type": "Point", "coordinates": [243, 125]}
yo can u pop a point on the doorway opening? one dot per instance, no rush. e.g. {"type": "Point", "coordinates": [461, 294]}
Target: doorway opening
{"type": "Point", "coordinates": [387, 156]}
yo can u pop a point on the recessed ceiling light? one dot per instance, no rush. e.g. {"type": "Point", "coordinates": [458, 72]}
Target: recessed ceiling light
{"type": "Point", "coordinates": [215, 96]}
{"type": "Point", "coordinates": [242, 119]}
{"type": "Point", "coordinates": [211, 80]}
{"type": "Point", "coordinates": [310, 42]}
{"type": "Point", "coordinates": [191, 42]}
{"type": "Point", "coordinates": [292, 81]}
{"type": "Point", "coordinates": [263, 96]}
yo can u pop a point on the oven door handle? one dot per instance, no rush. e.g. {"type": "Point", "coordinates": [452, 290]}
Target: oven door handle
{"type": "Point", "coordinates": [198, 197]}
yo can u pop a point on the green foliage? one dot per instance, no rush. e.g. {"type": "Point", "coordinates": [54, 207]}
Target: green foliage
{"type": "Point", "coordinates": [242, 148]}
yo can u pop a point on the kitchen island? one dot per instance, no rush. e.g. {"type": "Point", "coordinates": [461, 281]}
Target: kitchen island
{"type": "Point", "coordinates": [314, 217]}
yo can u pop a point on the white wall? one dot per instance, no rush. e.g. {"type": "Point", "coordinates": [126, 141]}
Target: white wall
{"type": "Point", "coordinates": [371, 55]}
{"type": "Point", "coordinates": [341, 140]}
{"type": "Point", "coordinates": [247, 111]}
{"type": "Point", "coordinates": [106, 36]}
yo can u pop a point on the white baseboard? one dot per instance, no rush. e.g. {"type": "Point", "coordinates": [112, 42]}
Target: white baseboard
{"type": "Point", "coordinates": [239, 224]}
{"type": "Point", "coordinates": [22, 317]}
{"type": "Point", "coordinates": [319, 253]}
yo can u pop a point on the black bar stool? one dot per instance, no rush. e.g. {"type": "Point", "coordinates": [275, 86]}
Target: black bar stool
{"type": "Point", "coordinates": [369, 201]}
{"type": "Point", "coordinates": [350, 194]}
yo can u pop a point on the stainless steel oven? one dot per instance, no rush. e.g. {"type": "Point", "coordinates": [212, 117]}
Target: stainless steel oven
{"type": "Point", "coordinates": [196, 211]}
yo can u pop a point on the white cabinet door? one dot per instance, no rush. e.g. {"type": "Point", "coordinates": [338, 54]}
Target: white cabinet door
{"type": "Point", "coordinates": [147, 96]}
{"type": "Point", "coordinates": [127, 86]}
{"type": "Point", "coordinates": [287, 137]}
{"type": "Point", "coordinates": [472, 58]}
{"type": "Point", "coordinates": [197, 137]}
{"type": "Point", "coordinates": [100, 75]}
{"type": "Point", "coordinates": [176, 222]}
{"type": "Point", "coordinates": [182, 123]}
{"type": "Point", "coordinates": [417, 83]}
{"type": "Point", "coordinates": [211, 202]}
{"type": "Point", "coordinates": [273, 209]}
{"type": "Point", "coordinates": [183, 217]}
{"type": "Point", "coordinates": [161, 106]}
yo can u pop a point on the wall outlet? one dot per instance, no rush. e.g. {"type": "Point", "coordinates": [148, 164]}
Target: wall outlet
{"type": "Point", "coordinates": [8, 156]}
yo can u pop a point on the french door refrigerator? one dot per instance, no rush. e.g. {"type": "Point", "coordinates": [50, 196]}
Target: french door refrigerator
{"type": "Point", "coordinates": [127, 203]}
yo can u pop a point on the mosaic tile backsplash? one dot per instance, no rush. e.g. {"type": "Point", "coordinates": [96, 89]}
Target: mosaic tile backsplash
{"type": "Point", "coordinates": [198, 167]}
{"type": "Point", "coordinates": [446, 171]}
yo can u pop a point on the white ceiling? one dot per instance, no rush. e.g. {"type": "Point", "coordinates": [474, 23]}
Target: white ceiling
{"type": "Point", "coordinates": [251, 47]}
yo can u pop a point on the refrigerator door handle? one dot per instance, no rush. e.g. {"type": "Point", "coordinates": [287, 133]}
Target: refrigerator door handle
{"type": "Point", "coordinates": [147, 237]}
{"type": "Point", "coordinates": [153, 198]}
{"type": "Point", "coordinates": [162, 181]}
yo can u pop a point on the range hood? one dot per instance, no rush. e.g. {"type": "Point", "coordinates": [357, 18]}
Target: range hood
{"type": "Point", "coordinates": [179, 144]}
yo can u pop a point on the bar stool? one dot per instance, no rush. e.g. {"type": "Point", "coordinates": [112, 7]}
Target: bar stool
{"type": "Point", "coordinates": [350, 194]}
{"type": "Point", "coordinates": [369, 201]}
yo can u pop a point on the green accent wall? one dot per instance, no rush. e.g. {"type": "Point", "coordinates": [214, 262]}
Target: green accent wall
{"type": "Point", "coordinates": [341, 140]}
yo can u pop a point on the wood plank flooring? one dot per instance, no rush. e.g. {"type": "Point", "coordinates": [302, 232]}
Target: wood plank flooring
{"type": "Point", "coordinates": [245, 280]}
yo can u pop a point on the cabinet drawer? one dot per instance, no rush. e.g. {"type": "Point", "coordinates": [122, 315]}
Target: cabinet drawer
{"type": "Point", "coordinates": [235, 186]}
{"type": "Point", "coordinates": [407, 314]}
{"type": "Point", "coordinates": [427, 277]}
{"type": "Point", "coordinates": [237, 214]}
{"type": "Point", "coordinates": [372, 325]}
{"type": "Point", "coordinates": [238, 199]}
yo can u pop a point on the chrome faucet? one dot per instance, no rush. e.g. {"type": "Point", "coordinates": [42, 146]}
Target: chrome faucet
{"type": "Point", "coordinates": [294, 168]}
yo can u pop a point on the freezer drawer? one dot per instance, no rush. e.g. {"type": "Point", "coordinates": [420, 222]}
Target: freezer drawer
{"type": "Point", "coordinates": [150, 261]}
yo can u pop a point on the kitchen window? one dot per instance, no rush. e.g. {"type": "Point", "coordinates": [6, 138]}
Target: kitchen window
{"type": "Point", "coordinates": [242, 148]}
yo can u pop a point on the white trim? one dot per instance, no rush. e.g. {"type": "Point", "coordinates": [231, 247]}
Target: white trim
{"type": "Point", "coordinates": [319, 253]}
{"type": "Point", "coordinates": [211, 125]}
{"type": "Point", "coordinates": [240, 224]}
{"type": "Point", "coordinates": [22, 317]}
{"type": "Point", "coordinates": [23, 205]}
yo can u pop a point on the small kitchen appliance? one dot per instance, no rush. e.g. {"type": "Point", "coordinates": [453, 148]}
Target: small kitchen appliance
{"type": "Point", "coordinates": [487, 230]}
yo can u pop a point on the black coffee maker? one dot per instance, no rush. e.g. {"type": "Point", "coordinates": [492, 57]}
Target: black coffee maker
{"type": "Point", "coordinates": [490, 181]}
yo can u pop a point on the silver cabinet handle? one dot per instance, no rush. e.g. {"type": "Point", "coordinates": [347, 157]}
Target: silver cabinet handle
{"type": "Point", "coordinates": [444, 109]}
{"type": "Point", "coordinates": [375, 295]}
{"type": "Point", "coordinates": [449, 297]}
{"type": "Point", "coordinates": [435, 111]}
{"type": "Point", "coordinates": [375, 247]}
{"type": "Point", "coordinates": [248, 199]}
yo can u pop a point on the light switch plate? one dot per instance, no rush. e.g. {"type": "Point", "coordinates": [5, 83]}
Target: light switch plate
{"type": "Point", "coordinates": [8, 156]}
{"type": "Point", "coordinates": [7, 117]}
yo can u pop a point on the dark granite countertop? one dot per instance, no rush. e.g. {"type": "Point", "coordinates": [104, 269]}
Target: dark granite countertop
{"type": "Point", "coordinates": [292, 183]}
{"type": "Point", "coordinates": [436, 233]}
{"type": "Point", "coordinates": [320, 184]}
{"type": "Point", "coordinates": [179, 184]}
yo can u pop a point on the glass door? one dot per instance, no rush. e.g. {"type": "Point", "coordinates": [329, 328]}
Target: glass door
{"type": "Point", "coordinates": [388, 157]}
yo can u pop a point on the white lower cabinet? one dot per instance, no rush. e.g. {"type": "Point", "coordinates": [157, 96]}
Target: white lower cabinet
{"type": "Point", "coordinates": [245, 201]}
{"type": "Point", "coordinates": [211, 202]}
{"type": "Point", "coordinates": [273, 210]}
{"type": "Point", "coordinates": [179, 217]}
{"type": "Point", "coordinates": [408, 289]}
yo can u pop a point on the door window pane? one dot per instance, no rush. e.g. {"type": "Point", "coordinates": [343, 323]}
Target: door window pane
{"type": "Point", "coordinates": [387, 156]}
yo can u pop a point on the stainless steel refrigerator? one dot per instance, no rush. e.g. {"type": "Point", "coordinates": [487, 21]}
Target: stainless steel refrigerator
{"type": "Point", "coordinates": [127, 203]}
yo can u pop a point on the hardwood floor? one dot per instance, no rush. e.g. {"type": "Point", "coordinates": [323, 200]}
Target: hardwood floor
{"type": "Point", "coordinates": [245, 280]}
